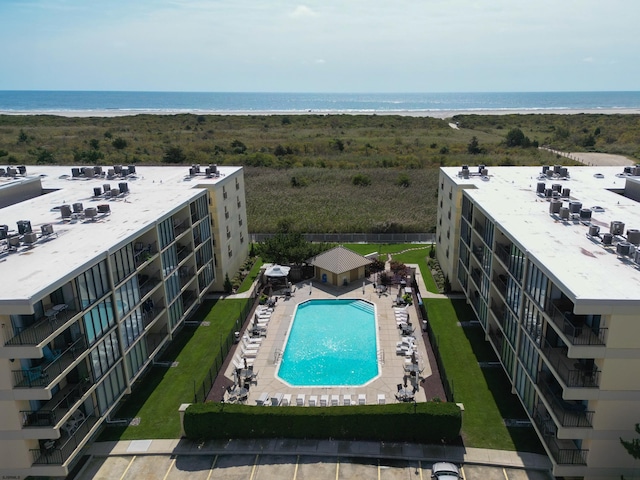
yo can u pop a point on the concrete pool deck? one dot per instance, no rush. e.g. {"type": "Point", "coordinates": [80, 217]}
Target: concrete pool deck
{"type": "Point", "coordinates": [392, 365]}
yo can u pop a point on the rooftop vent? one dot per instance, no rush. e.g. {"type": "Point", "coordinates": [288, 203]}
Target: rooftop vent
{"type": "Point", "coordinates": [24, 226]}
{"type": "Point", "coordinates": [594, 230]}
{"type": "Point", "coordinates": [541, 187]}
{"type": "Point", "coordinates": [14, 240]}
{"type": "Point", "coordinates": [4, 230]}
{"type": "Point", "coordinates": [633, 236]}
{"type": "Point", "coordinates": [47, 229]}
{"type": "Point", "coordinates": [30, 238]}
{"type": "Point", "coordinates": [65, 211]}
{"type": "Point", "coordinates": [104, 208]}
{"type": "Point", "coordinates": [623, 249]}
{"type": "Point", "coordinates": [554, 206]}
{"type": "Point", "coordinates": [77, 207]}
{"type": "Point", "coordinates": [566, 192]}
{"type": "Point", "coordinates": [607, 239]}
{"type": "Point", "coordinates": [564, 213]}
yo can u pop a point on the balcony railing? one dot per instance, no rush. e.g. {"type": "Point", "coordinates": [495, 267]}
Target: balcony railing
{"type": "Point", "coordinates": [503, 252]}
{"type": "Point", "coordinates": [150, 313]}
{"type": "Point", "coordinates": [148, 282]}
{"type": "Point", "coordinates": [573, 374]}
{"type": "Point", "coordinates": [576, 331]}
{"type": "Point", "coordinates": [180, 227]}
{"type": "Point", "coordinates": [144, 252]}
{"type": "Point", "coordinates": [477, 252]}
{"type": "Point", "coordinates": [570, 414]}
{"type": "Point", "coordinates": [476, 276]}
{"type": "Point", "coordinates": [183, 252]}
{"type": "Point", "coordinates": [61, 450]}
{"type": "Point", "coordinates": [500, 281]}
{"type": "Point", "coordinates": [41, 376]}
{"type": "Point", "coordinates": [479, 228]}
{"type": "Point", "coordinates": [37, 332]}
{"type": "Point", "coordinates": [55, 408]}
{"type": "Point", "coordinates": [564, 452]}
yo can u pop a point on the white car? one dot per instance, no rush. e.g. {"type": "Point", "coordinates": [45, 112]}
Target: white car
{"type": "Point", "coordinates": [445, 471]}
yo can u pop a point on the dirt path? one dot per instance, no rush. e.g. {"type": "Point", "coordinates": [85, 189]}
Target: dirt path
{"type": "Point", "coordinates": [593, 158]}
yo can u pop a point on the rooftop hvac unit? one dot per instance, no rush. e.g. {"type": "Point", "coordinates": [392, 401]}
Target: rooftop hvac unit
{"type": "Point", "coordinates": [11, 172]}
{"type": "Point", "coordinates": [484, 172]}
{"type": "Point", "coordinates": [545, 168]}
{"type": "Point", "coordinates": [623, 249]}
{"type": "Point", "coordinates": [88, 171]}
{"type": "Point", "coordinates": [65, 211]}
{"type": "Point", "coordinates": [564, 172]}
{"type": "Point", "coordinates": [97, 170]}
{"type": "Point", "coordinates": [616, 227]}
{"type": "Point", "coordinates": [132, 169]}
{"type": "Point", "coordinates": [594, 230]}
{"type": "Point", "coordinates": [564, 213]}
{"type": "Point", "coordinates": [541, 187]}
{"type": "Point", "coordinates": [111, 172]}
{"type": "Point", "coordinates": [214, 168]}
{"type": "Point", "coordinates": [14, 241]}
{"type": "Point", "coordinates": [607, 239]}
{"type": "Point", "coordinates": [104, 208]}
{"type": "Point", "coordinates": [4, 230]}
{"type": "Point", "coordinates": [637, 256]}
{"type": "Point", "coordinates": [2, 172]}
{"type": "Point", "coordinates": [124, 187]}
{"type": "Point", "coordinates": [75, 172]}
{"type": "Point", "coordinates": [548, 192]}
{"type": "Point", "coordinates": [124, 172]}
{"type": "Point", "coordinates": [556, 168]}
{"type": "Point", "coordinates": [90, 212]}
{"type": "Point", "coordinates": [550, 173]}
{"type": "Point", "coordinates": [566, 192]}
{"type": "Point", "coordinates": [114, 192]}
{"type": "Point", "coordinates": [77, 207]}
{"type": "Point", "coordinates": [628, 170]}
{"type": "Point", "coordinates": [636, 171]}
{"type": "Point", "coordinates": [30, 238]}
{"type": "Point", "coordinates": [24, 226]}
{"type": "Point", "coordinates": [196, 168]}
{"type": "Point", "coordinates": [555, 195]}
{"type": "Point", "coordinates": [22, 169]}
{"type": "Point", "coordinates": [574, 207]}
{"type": "Point", "coordinates": [554, 206]}
{"type": "Point", "coordinates": [465, 174]}
{"type": "Point", "coordinates": [585, 214]}
{"type": "Point", "coordinates": [633, 236]}
{"type": "Point", "coordinates": [106, 187]}
{"type": "Point", "coordinates": [465, 167]}
{"type": "Point", "coordinates": [117, 169]}
{"type": "Point", "coordinates": [97, 191]}
{"type": "Point", "coordinates": [556, 187]}
{"type": "Point", "coordinates": [47, 229]}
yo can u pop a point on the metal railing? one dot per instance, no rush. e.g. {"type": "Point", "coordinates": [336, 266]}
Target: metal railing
{"type": "Point", "coordinates": [357, 237]}
{"type": "Point", "coordinates": [504, 253]}
{"type": "Point", "coordinates": [148, 283]}
{"type": "Point", "coordinates": [571, 415]}
{"type": "Point", "coordinates": [35, 333]}
{"type": "Point", "coordinates": [576, 333]}
{"type": "Point", "coordinates": [561, 450]}
{"type": "Point", "coordinates": [54, 408]}
{"type": "Point", "coordinates": [576, 377]}
{"type": "Point", "coordinates": [501, 285]}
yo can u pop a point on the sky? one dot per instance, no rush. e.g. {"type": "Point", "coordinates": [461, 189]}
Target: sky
{"type": "Point", "coordinates": [320, 46]}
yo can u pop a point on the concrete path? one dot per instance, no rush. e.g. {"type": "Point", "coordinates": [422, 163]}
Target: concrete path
{"type": "Point", "coordinates": [594, 158]}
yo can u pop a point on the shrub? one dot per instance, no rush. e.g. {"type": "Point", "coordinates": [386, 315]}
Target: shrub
{"type": "Point", "coordinates": [361, 180]}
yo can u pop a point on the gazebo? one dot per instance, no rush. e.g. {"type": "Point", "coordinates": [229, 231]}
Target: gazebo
{"type": "Point", "coordinates": [339, 266]}
{"type": "Point", "coordinates": [277, 274]}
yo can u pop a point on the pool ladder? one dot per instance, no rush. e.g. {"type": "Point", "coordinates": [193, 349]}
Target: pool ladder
{"type": "Point", "coordinates": [381, 356]}
{"type": "Point", "coordinates": [277, 356]}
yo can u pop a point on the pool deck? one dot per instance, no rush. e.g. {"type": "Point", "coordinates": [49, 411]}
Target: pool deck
{"type": "Point", "coordinates": [392, 365]}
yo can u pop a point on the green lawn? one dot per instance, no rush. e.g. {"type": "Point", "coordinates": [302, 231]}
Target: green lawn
{"type": "Point", "coordinates": [485, 392]}
{"type": "Point", "coordinates": [253, 274]}
{"type": "Point", "coordinates": [160, 393]}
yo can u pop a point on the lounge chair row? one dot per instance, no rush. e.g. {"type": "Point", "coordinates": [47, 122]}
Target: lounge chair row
{"type": "Point", "coordinates": [284, 400]}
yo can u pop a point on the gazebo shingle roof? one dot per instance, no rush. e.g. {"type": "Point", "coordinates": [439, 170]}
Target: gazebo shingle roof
{"type": "Point", "coordinates": [339, 260]}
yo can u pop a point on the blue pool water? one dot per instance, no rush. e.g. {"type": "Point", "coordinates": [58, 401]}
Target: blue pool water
{"type": "Point", "coordinates": [331, 343]}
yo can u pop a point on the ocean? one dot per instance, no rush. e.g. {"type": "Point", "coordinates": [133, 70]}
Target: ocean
{"type": "Point", "coordinates": [102, 103]}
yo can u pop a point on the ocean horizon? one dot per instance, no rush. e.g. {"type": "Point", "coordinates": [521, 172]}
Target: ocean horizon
{"type": "Point", "coordinates": [105, 103]}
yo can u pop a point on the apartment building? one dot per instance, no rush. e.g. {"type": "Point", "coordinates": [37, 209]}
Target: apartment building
{"type": "Point", "coordinates": [99, 268]}
{"type": "Point", "coordinates": [549, 259]}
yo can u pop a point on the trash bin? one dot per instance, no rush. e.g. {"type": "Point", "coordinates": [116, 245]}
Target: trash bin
{"type": "Point", "coordinates": [424, 325]}
{"type": "Point", "coordinates": [236, 337]}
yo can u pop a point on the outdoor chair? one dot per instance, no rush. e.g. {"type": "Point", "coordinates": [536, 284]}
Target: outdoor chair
{"type": "Point", "coordinates": [335, 400]}
{"type": "Point", "coordinates": [262, 399]}
{"type": "Point", "coordinates": [51, 355]}
{"type": "Point", "coordinates": [286, 400]}
{"type": "Point", "coordinates": [313, 400]}
{"type": "Point", "coordinates": [276, 399]}
{"type": "Point", "coordinates": [300, 400]}
{"type": "Point", "coordinates": [324, 400]}
{"type": "Point", "coordinates": [362, 399]}
{"type": "Point", "coordinates": [381, 399]}
{"type": "Point", "coordinates": [346, 400]}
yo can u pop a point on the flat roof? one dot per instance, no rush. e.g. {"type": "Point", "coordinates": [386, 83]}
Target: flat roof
{"type": "Point", "coordinates": [154, 192]}
{"type": "Point", "coordinates": [587, 270]}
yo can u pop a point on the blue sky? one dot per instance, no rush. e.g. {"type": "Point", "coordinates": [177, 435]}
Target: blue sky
{"type": "Point", "coordinates": [320, 46]}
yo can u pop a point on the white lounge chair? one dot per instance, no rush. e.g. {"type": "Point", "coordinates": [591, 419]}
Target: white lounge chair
{"type": "Point", "coordinates": [286, 400]}
{"type": "Point", "coordinates": [313, 400]}
{"type": "Point", "coordinates": [346, 399]}
{"type": "Point", "coordinates": [300, 400]}
{"type": "Point", "coordinates": [381, 399]}
{"type": "Point", "coordinates": [251, 340]}
{"type": "Point", "coordinates": [324, 400]}
{"type": "Point", "coordinates": [263, 399]}
{"type": "Point", "coordinates": [362, 399]}
{"type": "Point", "coordinates": [276, 399]}
{"type": "Point", "coordinates": [335, 400]}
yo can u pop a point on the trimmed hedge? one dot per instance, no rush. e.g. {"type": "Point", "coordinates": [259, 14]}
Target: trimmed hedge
{"type": "Point", "coordinates": [429, 422]}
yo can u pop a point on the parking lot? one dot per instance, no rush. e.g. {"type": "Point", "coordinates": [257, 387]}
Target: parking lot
{"type": "Point", "coordinates": [279, 467]}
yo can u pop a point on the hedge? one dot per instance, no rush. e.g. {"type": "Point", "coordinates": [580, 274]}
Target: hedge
{"type": "Point", "coordinates": [430, 422]}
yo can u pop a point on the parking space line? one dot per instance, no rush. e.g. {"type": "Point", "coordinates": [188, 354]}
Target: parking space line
{"type": "Point", "coordinates": [295, 471]}
{"type": "Point", "coordinates": [378, 469]}
{"type": "Point", "coordinates": [215, 459]}
{"type": "Point", "coordinates": [462, 473]}
{"type": "Point", "coordinates": [255, 465]}
{"type": "Point", "coordinates": [420, 468]}
{"type": "Point", "coordinates": [173, 462]}
{"type": "Point", "coordinates": [128, 466]}
{"type": "Point", "coordinates": [337, 468]}
{"type": "Point", "coordinates": [504, 472]}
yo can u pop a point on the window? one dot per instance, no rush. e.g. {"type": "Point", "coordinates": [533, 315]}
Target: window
{"type": "Point", "coordinates": [98, 321]}
{"type": "Point", "coordinates": [105, 355]}
{"type": "Point", "coordinates": [224, 193]}
{"type": "Point", "coordinates": [237, 185]}
{"type": "Point", "coordinates": [92, 284]}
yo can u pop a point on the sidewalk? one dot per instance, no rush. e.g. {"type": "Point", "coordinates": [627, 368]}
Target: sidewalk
{"type": "Point", "coordinates": [326, 448]}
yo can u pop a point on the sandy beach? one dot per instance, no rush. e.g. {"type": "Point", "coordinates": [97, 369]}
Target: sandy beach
{"type": "Point", "coordinates": [444, 114]}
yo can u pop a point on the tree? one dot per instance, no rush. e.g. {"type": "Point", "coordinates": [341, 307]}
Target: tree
{"type": "Point", "coordinates": [289, 248]}
{"type": "Point", "coordinates": [22, 137]}
{"type": "Point", "coordinates": [227, 284]}
{"type": "Point", "coordinates": [632, 446]}
{"type": "Point", "coordinates": [119, 143]}
{"type": "Point", "coordinates": [174, 154]}
{"type": "Point", "coordinates": [43, 156]}
{"type": "Point", "coordinates": [361, 180]}
{"type": "Point", "coordinates": [94, 143]}
{"type": "Point", "coordinates": [474, 146]}
{"type": "Point", "coordinates": [403, 180]}
{"type": "Point", "coordinates": [516, 138]}
{"type": "Point", "coordinates": [238, 147]}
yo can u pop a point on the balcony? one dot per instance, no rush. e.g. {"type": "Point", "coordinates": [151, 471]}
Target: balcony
{"type": "Point", "coordinates": [564, 452]}
{"type": "Point", "coordinates": [56, 408]}
{"type": "Point", "coordinates": [188, 297]}
{"type": "Point", "coordinates": [570, 414]}
{"type": "Point", "coordinates": [573, 326]}
{"type": "Point", "coordinates": [183, 252]}
{"type": "Point", "coordinates": [504, 253]}
{"type": "Point", "coordinates": [574, 374]}
{"type": "Point", "coordinates": [150, 312]}
{"type": "Point", "coordinates": [41, 376]}
{"type": "Point", "coordinates": [477, 252]}
{"type": "Point", "coordinates": [500, 281]}
{"type": "Point", "coordinates": [179, 227]}
{"type": "Point", "coordinates": [476, 276]}
{"type": "Point", "coordinates": [143, 252]}
{"type": "Point", "coordinates": [186, 275]}
{"type": "Point", "coordinates": [147, 283]}
{"type": "Point", "coordinates": [58, 452]}
{"type": "Point", "coordinates": [478, 228]}
{"type": "Point", "coordinates": [39, 331]}
{"type": "Point", "coordinates": [154, 340]}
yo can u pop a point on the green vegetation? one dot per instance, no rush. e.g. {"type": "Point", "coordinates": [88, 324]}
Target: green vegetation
{"type": "Point", "coordinates": [157, 397]}
{"type": "Point", "coordinates": [485, 393]}
{"type": "Point", "coordinates": [426, 422]}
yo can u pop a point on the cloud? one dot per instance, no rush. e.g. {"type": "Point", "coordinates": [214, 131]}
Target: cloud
{"type": "Point", "coordinates": [302, 11]}
{"type": "Point", "coordinates": [588, 60]}
{"type": "Point", "coordinates": [320, 61]}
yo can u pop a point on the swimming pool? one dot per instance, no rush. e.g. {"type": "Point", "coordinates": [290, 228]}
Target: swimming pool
{"type": "Point", "coordinates": [331, 343]}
